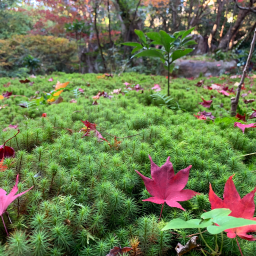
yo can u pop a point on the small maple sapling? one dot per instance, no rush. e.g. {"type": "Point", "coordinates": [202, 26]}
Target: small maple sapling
{"type": "Point", "coordinates": [6, 200]}
{"type": "Point", "coordinates": [167, 187]}
{"type": "Point", "coordinates": [240, 208]}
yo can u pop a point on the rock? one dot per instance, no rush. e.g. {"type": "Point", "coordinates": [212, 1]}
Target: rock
{"type": "Point", "coordinates": [195, 68]}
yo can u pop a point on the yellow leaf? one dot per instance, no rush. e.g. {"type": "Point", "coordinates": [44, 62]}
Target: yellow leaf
{"type": "Point", "coordinates": [59, 86]}
{"type": "Point", "coordinates": [1, 97]}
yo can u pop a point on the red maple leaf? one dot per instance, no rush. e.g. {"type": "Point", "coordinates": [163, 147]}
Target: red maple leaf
{"type": "Point", "coordinates": [200, 116]}
{"type": "Point", "coordinates": [206, 103]}
{"type": "Point", "coordinates": [240, 117]}
{"type": "Point", "coordinates": [92, 127]}
{"type": "Point", "coordinates": [165, 186]}
{"type": "Point", "coordinates": [240, 208]}
{"type": "Point", "coordinates": [243, 126]}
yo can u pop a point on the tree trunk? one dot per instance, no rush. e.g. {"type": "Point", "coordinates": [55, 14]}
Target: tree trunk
{"type": "Point", "coordinates": [221, 4]}
{"type": "Point", "coordinates": [97, 35]}
{"type": "Point", "coordinates": [235, 100]}
{"type": "Point", "coordinates": [228, 39]}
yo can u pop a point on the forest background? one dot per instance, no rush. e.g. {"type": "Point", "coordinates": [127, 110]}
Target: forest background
{"type": "Point", "coordinates": [85, 36]}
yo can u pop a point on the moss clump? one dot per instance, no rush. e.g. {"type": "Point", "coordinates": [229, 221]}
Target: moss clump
{"type": "Point", "coordinates": [87, 196]}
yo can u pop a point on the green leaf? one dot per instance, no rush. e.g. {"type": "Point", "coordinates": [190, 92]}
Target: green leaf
{"type": "Point", "coordinates": [155, 37]}
{"type": "Point", "coordinates": [191, 42]}
{"type": "Point", "coordinates": [179, 223]}
{"type": "Point", "coordinates": [166, 40]}
{"type": "Point", "coordinates": [141, 35]}
{"type": "Point", "coordinates": [171, 67]}
{"type": "Point", "coordinates": [186, 32]}
{"type": "Point", "coordinates": [216, 213]}
{"type": "Point", "coordinates": [150, 53]}
{"type": "Point", "coordinates": [180, 53]}
{"type": "Point", "coordinates": [227, 222]}
{"type": "Point", "coordinates": [133, 44]}
{"type": "Point", "coordinates": [136, 49]}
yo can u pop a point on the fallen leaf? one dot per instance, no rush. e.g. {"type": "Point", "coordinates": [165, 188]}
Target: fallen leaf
{"type": "Point", "coordinates": [7, 85]}
{"type": "Point", "coordinates": [207, 114]}
{"type": "Point", "coordinates": [6, 151]}
{"type": "Point", "coordinates": [200, 83]}
{"type": "Point", "coordinates": [10, 127]}
{"type": "Point", "coordinates": [95, 103]}
{"type": "Point", "coordinates": [81, 90]}
{"type": "Point", "coordinates": [108, 75]}
{"type": "Point", "coordinates": [206, 103]}
{"type": "Point", "coordinates": [248, 101]}
{"type": "Point", "coordinates": [73, 101]}
{"type": "Point", "coordinates": [224, 92]}
{"type": "Point", "coordinates": [240, 117]}
{"type": "Point", "coordinates": [165, 186]}
{"type": "Point", "coordinates": [253, 115]}
{"type": "Point", "coordinates": [199, 116]}
{"type": "Point", "coordinates": [7, 94]}
{"type": "Point", "coordinates": [50, 80]}
{"type": "Point", "coordinates": [244, 95]}
{"type": "Point", "coordinates": [8, 199]}
{"type": "Point", "coordinates": [1, 97]}
{"type": "Point", "coordinates": [116, 91]}
{"type": "Point", "coordinates": [59, 86]}
{"type": "Point", "coordinates": [218, 65]}
{"type": "Point", "coordinates": [92, 127]}
{"type": "Point", "coordinates": [26, 81]}
{"type": "Point", "coordinates": [156, 87]}
{"type": "Point", "coordinates": [126, 84]}
{"type": "Point", "coordinates": [33, 76]}
{"type": "Point", "coordinates": [44, 115]}
{"type": "Point", "coordinates": [2, 166]}
{"type": "Point", "coordinates": [244, 126]}
{"type": "Point", "coordinates": [215, 86]}
{"type": "Point", "coordinates": [116, 251]}
{"type": "Point", "coordinates": [236, 83]}
{"type": "Point", "coordinates": [100, 77]}
{"type": "Point", "coordinates": [31, 83]}
{"type": "Point", "coordinates": [240, 208]}
{"type": "Point", "coordinates": [191, 244]}
{"type": "Point", "coordinates": [3, 106]}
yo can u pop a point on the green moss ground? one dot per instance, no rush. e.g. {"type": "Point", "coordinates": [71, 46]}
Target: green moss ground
{"type": "Point", "coordinates": [89, 197]}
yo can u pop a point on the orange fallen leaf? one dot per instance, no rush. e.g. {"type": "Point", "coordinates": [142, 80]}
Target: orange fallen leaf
{"type": "Point", "coordinates": [2, 166]}
{"type": "Point", "coordinates": [59, 86]}
{"type": "Point", "coordinates": [1, 97]}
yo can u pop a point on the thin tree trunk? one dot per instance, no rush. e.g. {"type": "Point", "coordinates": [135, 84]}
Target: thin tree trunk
{"type": "Point", "coordinates": [235, 100]}
{"type": "Point", "coordinates": [97, 35]}
{"type": "Point", "coordinates": [109, 26]}
{"type": "Point", "coordinates": [221, 4]}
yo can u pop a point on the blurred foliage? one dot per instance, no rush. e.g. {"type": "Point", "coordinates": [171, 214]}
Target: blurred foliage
{"type": "Point", "coordinates": [55, 54]}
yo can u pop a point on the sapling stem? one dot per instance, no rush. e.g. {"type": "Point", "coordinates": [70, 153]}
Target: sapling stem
{"type": "Point", "coordinates": [200, 232]}
{"type": "Point", "coordinates": [161, 211]}
{"type": "Point", "coordinates": [4, 226]}
{"type": "Point", "coordinates": [222, 239]}
{"type": "Point", "coordinates": [239, 247]}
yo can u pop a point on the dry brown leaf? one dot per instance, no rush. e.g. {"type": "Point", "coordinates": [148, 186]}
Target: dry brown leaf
{"type": "Point", "coordinates": [191, 244]}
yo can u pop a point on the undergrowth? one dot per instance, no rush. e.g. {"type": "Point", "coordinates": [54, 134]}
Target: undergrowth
{"type": "Point", "coordinates": [87, 196]}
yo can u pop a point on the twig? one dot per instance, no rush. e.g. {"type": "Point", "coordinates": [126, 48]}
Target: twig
{"type": "Point", "coordinates": [239, 247]}
{"type": "Point", "coordinates": [4, 226]}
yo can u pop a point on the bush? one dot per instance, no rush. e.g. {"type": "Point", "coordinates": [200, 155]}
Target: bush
{"type": "Point", "coordinates": [55, 54]}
